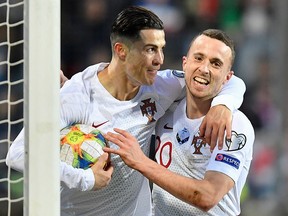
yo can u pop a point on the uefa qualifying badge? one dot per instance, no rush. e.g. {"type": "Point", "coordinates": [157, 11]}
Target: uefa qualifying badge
{"type": "Point", "coordinates": [183, 136]}
{"type": "Point", "coordinates": [237, 142]}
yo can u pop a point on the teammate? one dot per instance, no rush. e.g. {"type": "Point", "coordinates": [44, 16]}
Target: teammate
{"type": "Point", "coordinates": [189, 179]}
{"type": "Point", "coordinates": [128, 93]}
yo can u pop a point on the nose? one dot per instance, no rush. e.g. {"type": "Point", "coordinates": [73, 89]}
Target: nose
{"type": "Point", "coordinates": [159, 58]}
{"type": "Point", "coordinates": [204, 67]}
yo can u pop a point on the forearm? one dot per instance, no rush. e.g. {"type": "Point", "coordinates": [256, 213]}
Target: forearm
{"type": "Point", "coordinates": [195, 192]}
{"type": "Point", "coordinates": [80, 179]}
{"type": "Point", "coordinates": [199, 193]}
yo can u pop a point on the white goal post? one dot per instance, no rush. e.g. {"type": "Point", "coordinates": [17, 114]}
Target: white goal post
{"type": "Point", "coordinates": [41, 107]}
{"type": "Point", "coordinates": [30, 45]}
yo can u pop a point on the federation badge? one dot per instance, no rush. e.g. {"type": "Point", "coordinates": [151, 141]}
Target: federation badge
{"type": "Point", "coordinates": [148, 109]}
{"type": "Point", "coordinates": [198, 142]}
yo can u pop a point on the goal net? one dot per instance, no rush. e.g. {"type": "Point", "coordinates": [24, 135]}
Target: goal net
{"type": "Point", "coordinates": [29, 89]}
{"type": "Point", "coordinates": [11, 102]}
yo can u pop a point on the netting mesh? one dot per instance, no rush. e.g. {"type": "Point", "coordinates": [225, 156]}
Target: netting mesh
{"type": "Point", "coordinates": [11, 101]}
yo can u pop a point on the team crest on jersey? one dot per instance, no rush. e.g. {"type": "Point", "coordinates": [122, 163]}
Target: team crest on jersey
{"type": "Point", "coordinates": [183, 136]}
{"type": "Point", "coordinates": [148, 109]}
{"type": "Point", "coordinates": [177, 73]}
{"type": "Point", "coordinates": [237, 142]}
{"type": "Point", "coordinates": [198, 142]}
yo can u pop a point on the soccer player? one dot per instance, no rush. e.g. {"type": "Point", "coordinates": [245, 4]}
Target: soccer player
{"type": "Point", "coordinates": [129, 93]}
{"type": "Point", "coordinates": [188, 178]}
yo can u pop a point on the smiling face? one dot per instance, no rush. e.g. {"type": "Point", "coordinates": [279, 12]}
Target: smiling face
{"type": "Point", "coordinates": [145, 57]}
{"type": "Point", "coordinates": [207, 67]}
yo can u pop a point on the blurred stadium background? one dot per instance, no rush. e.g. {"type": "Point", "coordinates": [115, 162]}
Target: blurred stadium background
{"type": "Point", "coordinates": [260, 30]}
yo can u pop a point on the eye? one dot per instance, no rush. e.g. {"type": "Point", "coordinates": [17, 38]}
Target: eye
{"type": "Point", "coordinates": [198, 58]}
{"type": "Point", "coordinates": [151, 50]}
{"type": "Point", "coordinates": [216, 64]}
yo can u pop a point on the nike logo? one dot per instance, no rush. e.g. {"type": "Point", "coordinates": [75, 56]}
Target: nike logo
{"type": "Point", "coordinates": [167, 127]}
{"type": "Point", "coordinates": [98, 125]}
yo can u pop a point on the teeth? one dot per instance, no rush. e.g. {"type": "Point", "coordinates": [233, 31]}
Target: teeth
{"type": "Point", "coordinates": [200, 80]}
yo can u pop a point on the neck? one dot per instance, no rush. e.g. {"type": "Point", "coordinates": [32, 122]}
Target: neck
{"type": "Point", "coordinates": [196, 108]}
{"type": "Point", "coordinates": [114, 80]}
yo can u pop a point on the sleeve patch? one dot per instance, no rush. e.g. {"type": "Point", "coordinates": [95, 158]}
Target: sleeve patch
{"type": "Point", "coordinates": [234, 162]}
{"type": "Point", "coordinates": [177, 73]}
{"type": "Point", "coordinates": [237, 142]}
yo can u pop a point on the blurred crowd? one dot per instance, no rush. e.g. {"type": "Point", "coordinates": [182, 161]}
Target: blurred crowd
{"type": "Point", "coordinates": [85, 27]}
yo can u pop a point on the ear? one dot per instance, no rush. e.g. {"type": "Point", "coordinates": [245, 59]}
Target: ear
{"type": "Point", "coordinates": [184, 62]}
{"type": "Point", "coordinates": [120, 50]}
{"type": "Point", "coordinates": [228, 76]}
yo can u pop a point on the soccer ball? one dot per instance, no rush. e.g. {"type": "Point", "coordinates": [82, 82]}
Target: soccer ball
{"type": "Point", "coordinates": [81, 145]}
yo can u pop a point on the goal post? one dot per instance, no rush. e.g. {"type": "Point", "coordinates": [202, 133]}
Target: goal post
{"type": "Point", "coordinates": [41, 107]}
{"type": "Point", "coordinates": [30, 45]}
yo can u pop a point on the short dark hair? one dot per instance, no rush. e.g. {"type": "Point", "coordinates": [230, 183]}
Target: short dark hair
{"type": "Point", "coordinates": [131, 21]}
{"type": "Point", "coordinates": [221, 36]}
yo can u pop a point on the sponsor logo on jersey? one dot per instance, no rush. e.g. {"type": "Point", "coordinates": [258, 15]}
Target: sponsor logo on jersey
{"type": "Point", "coordinates": [183, 136]}
{"type": "Point", "coordinates": [237, 142]}
{"type": "Point", "coordinates": [98, 125]}
{"type": "Point", "coordinates": [234, 162]}
{"type": "Point", "coordinates": [177, 73]}
{"type": "Point", "coordinates": [148, 109]}
{"type": "Point", "coordinates": [198, 142]}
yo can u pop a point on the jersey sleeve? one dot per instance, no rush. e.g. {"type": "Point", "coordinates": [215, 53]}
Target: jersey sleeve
{"type": "Point", "coordinates": [171, 83]}
{"type": "Point", "coordinates": [76, 178]}
{"type": "Point", "coordinates": [231, 94]}
{"type": "Point", "coordinates": [15, 155]}
{"type": "Point", "coordinates": [236, 156]}
{"type": "Point", "coordinates": [74, 100]}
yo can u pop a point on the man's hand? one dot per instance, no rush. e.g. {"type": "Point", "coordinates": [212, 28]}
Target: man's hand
{"type": "Point", "coordinates": [213, 126]}
{"type": "Point", "coordinates": [63, 78]}
{"type": "Point", "coordinates": [129, 149]}
{"type": "Point", "coordinates": [102, 172]}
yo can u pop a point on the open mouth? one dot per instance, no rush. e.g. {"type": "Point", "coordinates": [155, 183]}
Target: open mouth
{"type": "Point", "coordinates": [201, 81]}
